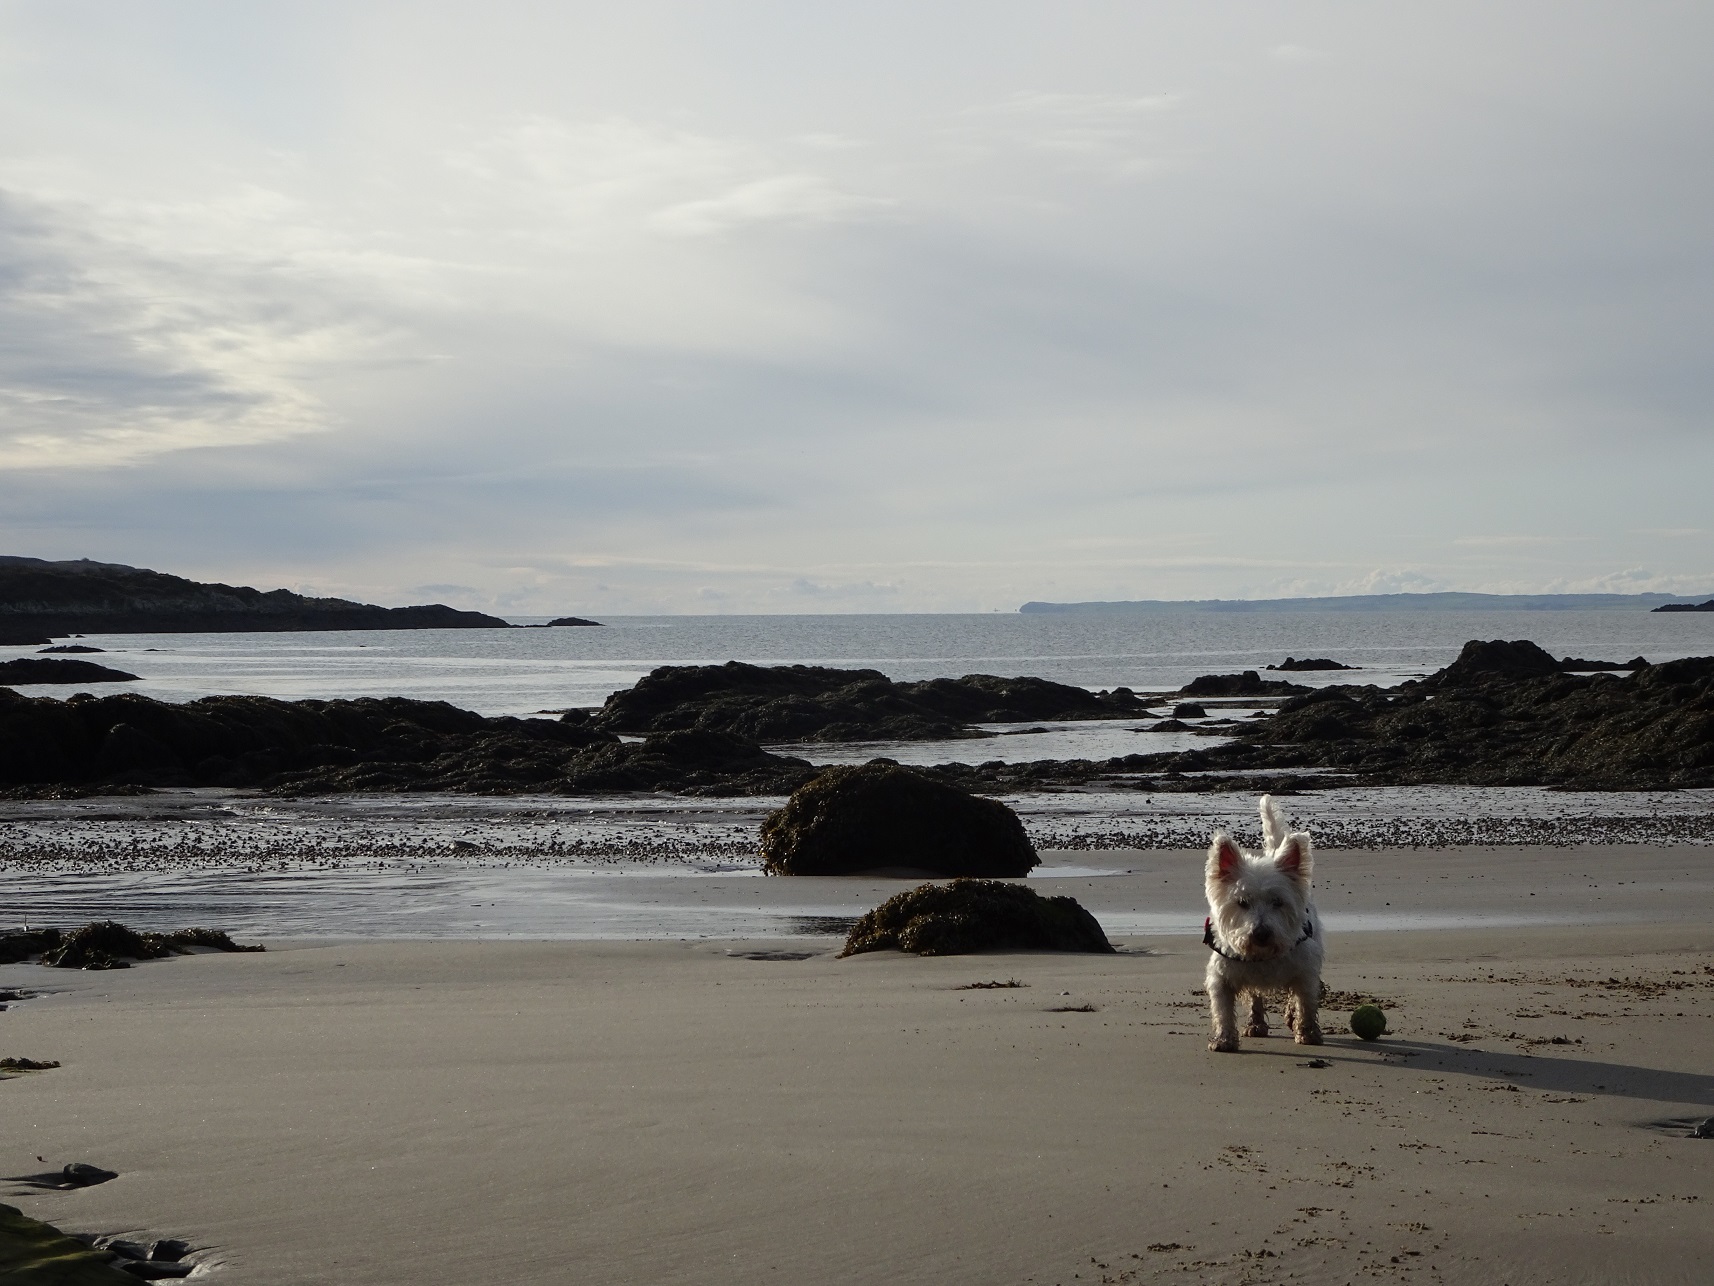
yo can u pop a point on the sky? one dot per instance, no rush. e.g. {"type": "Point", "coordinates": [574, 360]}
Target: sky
{"type": "Point", "coordinates": [892, 307]}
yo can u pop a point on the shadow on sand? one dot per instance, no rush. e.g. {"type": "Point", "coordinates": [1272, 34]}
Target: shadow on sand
{"type": "Point", "coordinates": [1538, 1072]}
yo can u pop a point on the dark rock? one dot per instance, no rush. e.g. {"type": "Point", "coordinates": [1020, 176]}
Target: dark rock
{"type": "Point", "coordinates": [122, 1247]}
{"type": "Point", "coordinates": [1189, 710]}
{"type": "Point", "coordinates": [695, 761]}
{"type": "Point", "coordinates": [1687, 607]}
{"type": "Point", "coordinates": [106, 944]}
{"type": "Point", "coordinates": [976, 915]}
{"type": "Point", "coordinates": [574, 620]}
{"type": "Point", "coordinates": [153, 1270]}
{"type": "Point", "coordinates": [1503, 714]}
{"type": "Point", "coordinates": [26, 1065]}
{"type": "Point", "coordinates": [1172, 725]}
{"type": "Point", "coordinates": [1704, 1130]}
{"type": "Point", "coordinates": [1479, 661]}
{"type": "Point", "coordinates": [381, 744]}
{"type": "Point", "coordinates": [1247, 684]}
{"type": "Point", "coordinates": [28, 669]}
{"type": "Point", "coordinates": [1311, 663]}
{"type": "Point", "coordinates": [880, 816]}
{"type": "Point", "coordinates": [80, 1174]}
{"type": "Point", "coordinates": [168, 1250]}
{"type": "Point", "coordinates": [817, 703]}
{"type": "Point", "coordinates": [70, 647]}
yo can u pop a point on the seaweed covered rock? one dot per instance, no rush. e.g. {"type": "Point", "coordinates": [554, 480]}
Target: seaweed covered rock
{"type": "Point", "coordinates": [1311, 663]}
{"type": "Point", "coordinates": [107, 944]}
{"type": "Point", "coordinates": [880, 816]}
{"type": "Point", "coordinates": [976, 915]}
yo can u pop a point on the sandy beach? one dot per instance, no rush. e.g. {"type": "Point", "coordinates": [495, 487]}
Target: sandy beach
{"type": "Point", "coordinates": [726, 1112]}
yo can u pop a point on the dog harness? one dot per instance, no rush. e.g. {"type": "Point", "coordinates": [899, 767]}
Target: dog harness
{"type": "Point", "coordinates": [1213, 943]}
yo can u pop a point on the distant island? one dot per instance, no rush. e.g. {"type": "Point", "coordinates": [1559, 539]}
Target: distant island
{"type": "Point", "coordinates": [1442, 602]}
{"type": "Point", "coordinates": [40, 599]}
{"type": "Point", "coordinates": [1687, 607]}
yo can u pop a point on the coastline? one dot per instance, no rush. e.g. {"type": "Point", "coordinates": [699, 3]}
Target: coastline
{"type": "Point", "coordinates": [723, 1112]}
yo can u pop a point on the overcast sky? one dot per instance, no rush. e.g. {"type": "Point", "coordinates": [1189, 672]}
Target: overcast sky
{"type": "Point", "coordinates": [916, 306]}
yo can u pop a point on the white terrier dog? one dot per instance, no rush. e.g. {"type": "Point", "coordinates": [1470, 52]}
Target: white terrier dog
{"type": "Point", "coordinates": [1264, 933]}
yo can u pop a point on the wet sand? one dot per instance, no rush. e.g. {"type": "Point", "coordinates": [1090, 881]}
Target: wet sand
{"type": "Point", "coordinates": [678, 1112]}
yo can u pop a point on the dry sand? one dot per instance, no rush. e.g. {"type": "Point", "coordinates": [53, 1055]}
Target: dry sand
{"type": "Point", "coordinates": [680, 1113]}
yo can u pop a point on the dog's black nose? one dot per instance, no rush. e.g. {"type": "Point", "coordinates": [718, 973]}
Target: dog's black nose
{"type": "Point", "coordinates": [1262, 936]}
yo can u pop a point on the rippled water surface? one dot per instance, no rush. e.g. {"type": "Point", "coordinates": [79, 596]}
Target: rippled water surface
{"type": "Point", "coordinates": [527, 670]}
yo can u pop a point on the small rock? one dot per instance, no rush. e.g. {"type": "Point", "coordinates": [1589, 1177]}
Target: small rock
{"type": "Point", "coordinates": [79, 1174]}
{"type": "Point", "coordinates": [168, 1250]}
{"type": "Point", "coordinates": [1316, 1062]}
{"type": "Point", "coordinates": [1704, 1130]}
{"type": "Point", "coordinates": [122, 1247]}
{"type": "Point", "coordinates": [1189, 710]}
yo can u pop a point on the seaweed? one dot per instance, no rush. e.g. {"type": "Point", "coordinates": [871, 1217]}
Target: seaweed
{"type": "Point", "coordinates": [107, 944]}
{"type": "Point", "coordinates": [976, 915]}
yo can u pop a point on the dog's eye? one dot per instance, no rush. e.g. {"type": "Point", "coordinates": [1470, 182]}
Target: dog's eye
{"type": "Point", "coordinates": [1243, 904]}
{"type": "Point", "coordinates": [1280, 903]}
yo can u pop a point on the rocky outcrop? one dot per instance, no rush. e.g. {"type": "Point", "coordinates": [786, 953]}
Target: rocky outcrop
{"type": "Point", "coordinates": [31, 669]}
{"type": "Point", "coordinates": [880, 817]}
{"type": "Point", "coordinates": [1687, 607]}
{"type": "Point", "coordinates": [1311, 663]}
{"type": "Point", "coordinates": [573, 620]}
{"type": "Point", "coordinates": [1502, 714]}
{"type": "Point", "coordinates": [1247, 684]}
{"type": "Point", "coordinates": [976, 915]}
{"type": "Point", "coordinates": [40, 598]}
{"type": "Point", "coordinates": [379, 744]}
{"type": "Point", "coordinates": [815, 703]}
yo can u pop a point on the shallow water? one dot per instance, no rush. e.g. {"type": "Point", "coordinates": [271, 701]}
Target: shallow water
{"type": "Point", "coordinates": [436, 866]}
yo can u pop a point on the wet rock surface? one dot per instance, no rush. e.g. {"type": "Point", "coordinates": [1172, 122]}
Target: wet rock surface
{"type": "Point", "coordinates": [976, 915]}
{"type": "Point", "coordinates": [29, 669]}
{"type": "Point", "coordinates": [1312, 663]}
{"type": "Point", "coordinates": [881, 816]}
{"type": "Point", "coordinates": [797, 703]}
{"type": "Point", "coordinates": [33, 1253]}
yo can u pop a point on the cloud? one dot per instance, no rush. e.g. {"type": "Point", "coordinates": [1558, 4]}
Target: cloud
{"type": "Point", "coordinates": [782, 199]}
{"type": "Point", "coordinates": [1110, 133]}
{"type": "Point", "coordinates": [119, 349]}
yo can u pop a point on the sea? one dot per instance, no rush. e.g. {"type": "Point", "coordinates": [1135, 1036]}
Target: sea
{"type": "Point", "coordinates": [660, 866]}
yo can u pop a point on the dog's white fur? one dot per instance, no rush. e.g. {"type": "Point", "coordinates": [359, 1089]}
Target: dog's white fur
{"type": "Point", "coordinates": [1261, 910]}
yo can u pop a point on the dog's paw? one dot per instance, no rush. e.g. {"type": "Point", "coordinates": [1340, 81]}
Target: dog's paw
{"type": "Point", "coordinates": [1256, 1029]}
{"type": "Point", "coordinates": [1309, 1036]}
{"type": "Point", "coordinates": [1224, 1044]}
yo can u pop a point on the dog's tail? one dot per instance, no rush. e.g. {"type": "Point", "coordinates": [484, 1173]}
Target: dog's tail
{"type": "Point", "coordinates": [1273, 825]}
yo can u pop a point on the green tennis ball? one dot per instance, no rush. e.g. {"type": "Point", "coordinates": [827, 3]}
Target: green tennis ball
{"type": "Point", "coordinates": [1369, 1022]}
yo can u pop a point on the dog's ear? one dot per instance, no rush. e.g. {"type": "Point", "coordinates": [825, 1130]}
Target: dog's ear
{"type": "Point", "coordinates": [1294, 857]}
{"type": "Point", "coordinates": [1225, 859]}
{"type": "Point", "coordinates": [1273, 825]}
